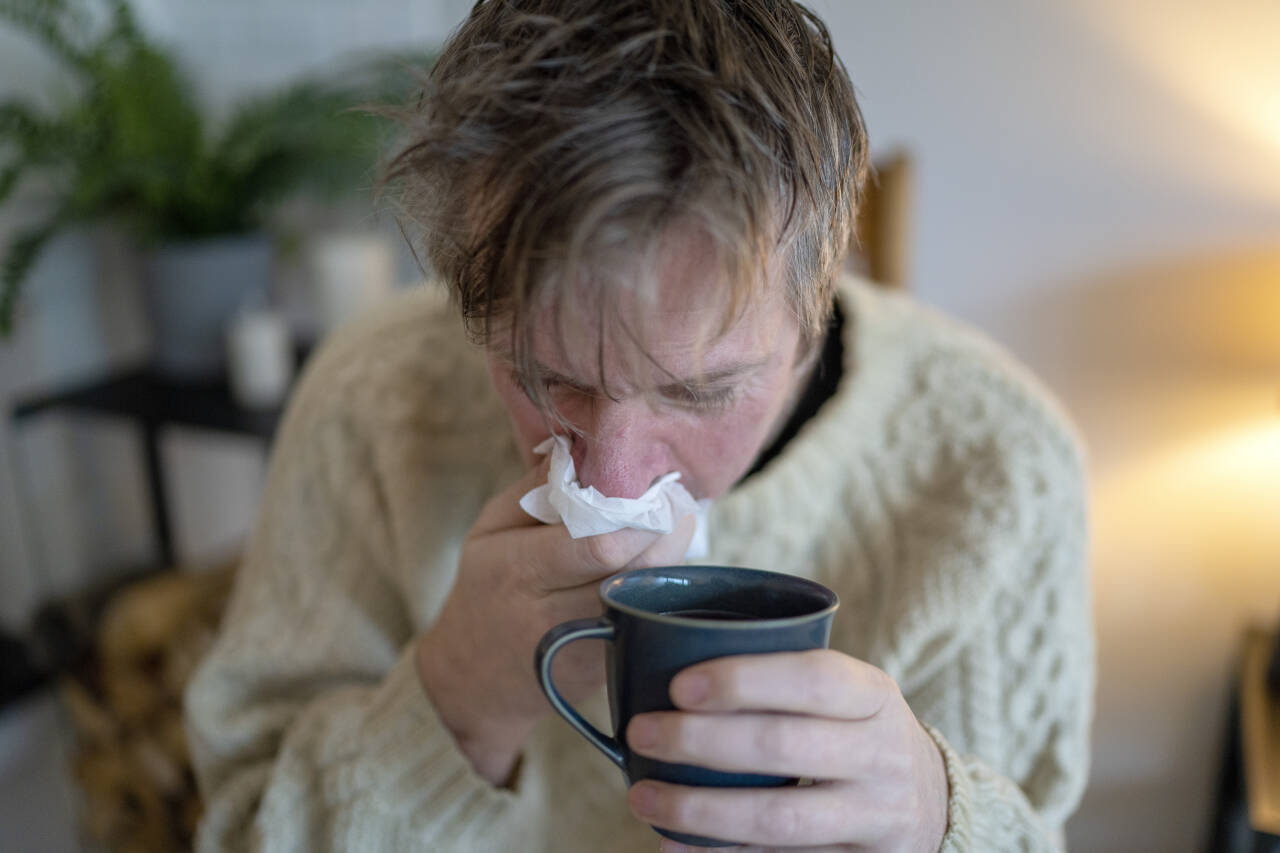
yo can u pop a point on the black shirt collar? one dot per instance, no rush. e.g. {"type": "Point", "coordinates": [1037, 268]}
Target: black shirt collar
{"type": "Point", "coordinates": [822, 387]}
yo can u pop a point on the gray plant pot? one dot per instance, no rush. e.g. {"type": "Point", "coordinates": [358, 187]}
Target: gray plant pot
{"type": "Point", "coordinates": [193, 290]}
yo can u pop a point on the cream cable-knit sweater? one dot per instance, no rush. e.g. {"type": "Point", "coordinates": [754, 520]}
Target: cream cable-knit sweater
{"type": "Point", "coordinates": [937, 493]}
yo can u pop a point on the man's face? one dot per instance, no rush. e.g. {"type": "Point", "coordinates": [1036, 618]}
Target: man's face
{"type": "Point", "coordinates": [708, 415]}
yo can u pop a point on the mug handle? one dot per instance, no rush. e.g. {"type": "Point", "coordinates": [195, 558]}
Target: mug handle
{"type": "Point", "coordinates": [557, 638]}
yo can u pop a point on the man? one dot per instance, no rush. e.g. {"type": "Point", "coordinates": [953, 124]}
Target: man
{"type": "Point", "coordinates": [640, 208]}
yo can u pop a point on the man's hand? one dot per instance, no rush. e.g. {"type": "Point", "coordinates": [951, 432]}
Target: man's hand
{"type": "Point", "coordinates": [517, 579]}
{"type": "Point", "coordinates": [880, 783]}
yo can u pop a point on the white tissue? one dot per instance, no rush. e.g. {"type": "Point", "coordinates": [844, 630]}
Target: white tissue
{"type": "Point", "coordinates": [586, 512]}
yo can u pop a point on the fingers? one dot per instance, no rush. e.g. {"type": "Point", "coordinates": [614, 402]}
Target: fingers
{"type": "Point", "coordinates": [593, 558]}
{"type": "Point", "coordinates": [578, 602]}
{"type": "Point", "coordinates": [783, 817]}
{"type": "Point", "coordinates": [670, 549]}
{"type": "Point", "coordinates": [822, 682]}
{"type": "Point", "coordinates": [551, 561]}
{"type": "Point", "coordinates": [669, 846]}
{"type": "Point", "coordinates": [503, 510]}
{"type": "Point", "coordinates": [778, 744]}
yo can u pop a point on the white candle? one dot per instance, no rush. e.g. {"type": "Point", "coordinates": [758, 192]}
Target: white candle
{"type": "Point", "coordinates": [349, 274]}
{"type": "Point", "coordinates": [259, 358]}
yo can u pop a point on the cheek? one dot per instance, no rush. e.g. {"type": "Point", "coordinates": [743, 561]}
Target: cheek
{"type": "Point", "coordinates": [719, 450]}
{"type": "Point", "coordinates": [528, 423]}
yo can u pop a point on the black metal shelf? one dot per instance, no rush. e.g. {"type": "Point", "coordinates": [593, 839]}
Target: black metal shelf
{"type": "Point", "coordinates": [146, 397]}
{"type": "Point", "coordinates": [153, 401]}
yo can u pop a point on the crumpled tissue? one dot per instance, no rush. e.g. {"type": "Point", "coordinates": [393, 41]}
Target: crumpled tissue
{"type": "Point", "coordinates": [586, 512]}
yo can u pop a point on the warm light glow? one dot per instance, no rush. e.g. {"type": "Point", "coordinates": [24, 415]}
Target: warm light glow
{"type": "Point", "coordinates": [1221, 57]}
{"type": "Point", "coordinates": [1214, 503]}
{"type": "Point", "coordinates": [1246, 460]}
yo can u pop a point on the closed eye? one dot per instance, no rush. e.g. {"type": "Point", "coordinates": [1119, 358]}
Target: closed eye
{"type": "Point", "coordinates": [559, 386]}
{"type": "Point", "coordinates": [707, 399]}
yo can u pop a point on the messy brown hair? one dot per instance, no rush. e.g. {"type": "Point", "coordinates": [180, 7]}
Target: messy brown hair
{"type": "Point", "coordinates": [556, 142]}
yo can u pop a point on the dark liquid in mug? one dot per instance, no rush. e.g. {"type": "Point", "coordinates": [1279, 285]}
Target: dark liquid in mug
{"type": "Point", "coordinates": [718, 615]}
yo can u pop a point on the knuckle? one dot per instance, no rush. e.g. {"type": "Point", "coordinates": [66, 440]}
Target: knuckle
{"type": "Point", "coordinates": [778, 819]}
{"type": "Point", "coordinates": [826, 688]}
{"type": "Point", "coordinates": [658, 554]}
{"type": "Point", "coordinates": [605, 550]}
{"type": "Point", "coordinates": [647, 560]}
{"type": "Point", "coordinates": [885, 683]}
{"type": "Point", "coordinates": [888, 763]}
{"type": "Point", "coordinates": [502, 565]}
{"type": "Point", "coordinates": [774, 740]}
{"type": "Point", "coordinates": [678, 735]}
{"type": "Point", "coordinates": [836, 666]}
{"type": "Point", "coordinates": [887, 691]}
{"type": "Point", "coordinates": [532, 573]}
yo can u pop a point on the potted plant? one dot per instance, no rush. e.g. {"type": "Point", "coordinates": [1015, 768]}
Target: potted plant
{"type": "Point", "coordinates": [131, 145]}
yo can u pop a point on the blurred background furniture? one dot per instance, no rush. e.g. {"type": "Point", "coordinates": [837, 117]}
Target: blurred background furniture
{"type": "Point", "coordinates": [124, 699]}
{"type": "Point", "coordinates": [882, 248]}
{"type": "Point", "coordinates": [1247, 814]}
{"type": "Point", "coordinates": [153, 401]}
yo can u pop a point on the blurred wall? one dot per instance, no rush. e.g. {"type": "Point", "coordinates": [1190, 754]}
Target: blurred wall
{"type": "Point", "coordinates": [1099, 189]}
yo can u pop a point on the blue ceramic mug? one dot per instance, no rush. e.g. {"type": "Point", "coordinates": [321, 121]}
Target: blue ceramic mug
{"type": "Point", "coordinates": [660, 621]}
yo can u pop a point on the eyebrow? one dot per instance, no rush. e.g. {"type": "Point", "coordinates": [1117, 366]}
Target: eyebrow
{"type": "Point", "coordinates": [730, 371]}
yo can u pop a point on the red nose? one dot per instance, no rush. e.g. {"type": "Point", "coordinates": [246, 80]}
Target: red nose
{"type": "Point", "coordinates": [621, 456]}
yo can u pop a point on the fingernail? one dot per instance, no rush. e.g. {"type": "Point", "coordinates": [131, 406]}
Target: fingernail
{"type": "Point", "coordinates": [642, 732]}
{"type": "Point", "coordinates": [644, 800]}
{"type": "Point", "coordinates": [690, 689]}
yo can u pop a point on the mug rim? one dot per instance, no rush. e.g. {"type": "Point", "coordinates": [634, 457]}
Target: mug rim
{"type": "Point", "coordinates": [613, 581]}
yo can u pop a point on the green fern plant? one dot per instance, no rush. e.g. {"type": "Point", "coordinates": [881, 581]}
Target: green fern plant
{"type": "Point", "coordinates": [133, 145]}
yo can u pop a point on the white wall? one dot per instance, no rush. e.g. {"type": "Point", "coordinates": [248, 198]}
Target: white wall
{"type": "Point", "coordinates": [1099, 188]}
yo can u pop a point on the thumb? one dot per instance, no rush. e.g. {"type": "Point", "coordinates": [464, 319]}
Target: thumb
{"type": "Point", "coordinates": [503, 510]}
{"type": "Point", "coordinates": [668, 550]}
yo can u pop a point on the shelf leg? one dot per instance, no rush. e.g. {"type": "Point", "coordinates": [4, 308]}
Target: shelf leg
{"type": "Point", "coordinates": [159, 497]}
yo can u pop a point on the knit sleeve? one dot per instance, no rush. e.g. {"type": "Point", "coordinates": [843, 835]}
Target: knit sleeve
{"type": "Point", "coordinates": [309, 727]}
{"type": "Point", "coordinates": [1017, 747]}
{"type": "Point", "coordinates": [986, 618]}
{"type": "Point", "coordinates": [986, 811]}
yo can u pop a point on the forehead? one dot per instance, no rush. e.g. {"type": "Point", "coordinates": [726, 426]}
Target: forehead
{"type": "Point", "coordinates": [675, 317]}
